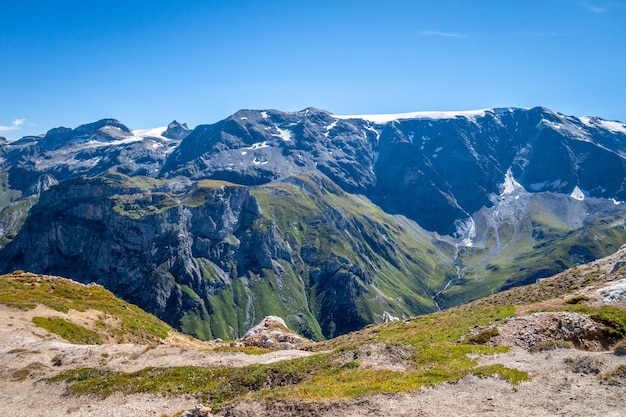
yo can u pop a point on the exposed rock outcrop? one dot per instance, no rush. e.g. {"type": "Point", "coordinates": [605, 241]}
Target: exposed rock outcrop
{"type": "Point", "coordinates": [272, 333]}
{"type": "Point", "coordinates": [171, 255]}
{"type": "Point", "coordinates": [527, 331]}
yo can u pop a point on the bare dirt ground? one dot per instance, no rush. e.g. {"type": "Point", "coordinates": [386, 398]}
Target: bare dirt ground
{"type": "Point", "coordinates": [565, 381]}
{"type": "Point", "coordinates": [29, 354]}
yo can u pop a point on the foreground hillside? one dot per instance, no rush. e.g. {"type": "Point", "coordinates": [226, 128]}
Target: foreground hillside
{"type": "Point", "coordinates": [555, 347]}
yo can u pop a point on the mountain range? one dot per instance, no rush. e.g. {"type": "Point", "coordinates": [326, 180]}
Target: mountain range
{"type": "Point", "coordinates": [328, 221]}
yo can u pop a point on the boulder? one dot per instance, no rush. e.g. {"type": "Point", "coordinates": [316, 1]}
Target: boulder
{"type": "Point", "coordinates": [272, 333]}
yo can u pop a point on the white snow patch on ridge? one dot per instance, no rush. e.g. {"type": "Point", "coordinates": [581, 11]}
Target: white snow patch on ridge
{"type": "Point", "coordinates": [136, 136]}
{"type": "Point", "coordinates": [578, 194]}
{"type": "Point", "coordinates": [156, 132]}
{"type": "Point", "coordinates": [615, 127]}
{"type": "Point", "coordinates": [258, 145]}
{"type": "Point", "coordinates": [510, 185]}
{"type": "Point", "coordinates": [433, 115]}
{"type": "Point", "coordinates": [284, 134]}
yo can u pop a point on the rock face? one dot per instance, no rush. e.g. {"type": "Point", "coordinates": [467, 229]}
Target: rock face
{"type": "Point", "coordinates": [328, 221]}
{"type": "Point", "coordinates": [166, 256]}
{"type": "Point", "coordinates": [91, 149]}
{"type": "Point", "coordinates": [411, 166]}
{"type": "Point", "coordinates": [203, 256]}
{"type": "Point", "coordinates": [177, 130]}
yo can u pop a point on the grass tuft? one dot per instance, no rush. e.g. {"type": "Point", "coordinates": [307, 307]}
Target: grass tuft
{"type": "Point", "coordinates": [69, 331]}
{"type": "Point", "coordinates": [547, 345]}
{"type": "Point", "coordinates": [483, 337]}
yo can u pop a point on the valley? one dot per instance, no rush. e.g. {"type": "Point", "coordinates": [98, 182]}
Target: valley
{"type": "Point", "coordinates": [327, 221]}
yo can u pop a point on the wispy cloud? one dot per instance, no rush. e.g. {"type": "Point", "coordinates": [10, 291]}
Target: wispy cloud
{"type": "Point", "coordinates": [443, 34]}
{"type": "Point", "coordinates": [593, 8]}
{"type": "Point", "coordinates": [15, 125]}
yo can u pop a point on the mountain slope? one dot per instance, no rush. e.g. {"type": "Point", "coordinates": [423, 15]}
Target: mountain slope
{"type": "Point", "coordinates": [328, 221]}
{"type": "Point", "coordinates": [410, 165]}
{"type": "Point", "coordinates": [205, 258]}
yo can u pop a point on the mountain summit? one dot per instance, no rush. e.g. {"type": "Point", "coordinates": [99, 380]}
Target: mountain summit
{"type": "Point", "coordinates": [328, 221]}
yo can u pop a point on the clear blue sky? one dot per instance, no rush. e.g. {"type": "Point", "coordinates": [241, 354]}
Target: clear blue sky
{"type": "Point", "coordinates": [66, 63]}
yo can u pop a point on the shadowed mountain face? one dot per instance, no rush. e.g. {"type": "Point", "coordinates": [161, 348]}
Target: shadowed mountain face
{"type": "Point", "coordinates": [435, 170]}
{"type": "Point", "coordinates": [325, 220]}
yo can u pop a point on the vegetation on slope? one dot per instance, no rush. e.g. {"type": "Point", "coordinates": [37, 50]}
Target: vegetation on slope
{"type": "Point", "coordinates": [352, 255]}
{"type": "Point", "coordinates": [433, 355]}
{"type": "Point", "coordinates": [427, 350]}
{"type": "Point", "coordinates": [540, 247]}
{"type": "Point", "coordinates": [113, 319]}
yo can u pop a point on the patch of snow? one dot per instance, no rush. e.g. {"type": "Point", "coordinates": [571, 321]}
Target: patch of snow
{"type": "Point", "coordinates": [136, 136]}
{"type": "Point", "coordinates": [578, 194]}
{"type": "Point", "coordinates": [244, 153]}
{"type": "Point", "coordinates": [243, 118]}
{"type": "Point", "coordinates": [466, 231]}
{"type": "Point", "coordinates": [91, 162]}
{"type": "Point", "coordinates": [616, 202]}
{"type": "Point", "coordinates": [258, 145]}
{"type": "Point", "coordinates": [155, 133]}
{"type": "Point", "coordinates": [433, 115]}
{"type": "Point", "coordinates": [614, 292]}
{"type": "Point", "coordinates": [257, 161]}
{"type": "Point", "coordinates": [284, 134]}
{"type": "Point", "coordinates": [613, 126]}
{"type": "Point", "coordinates": [331, 126]}
{"type": "Point", "coordinates": [553, 124]}
{"type": "Point", "coordinates": [510, 185]}
{"type": "Point", "coordinates": [264, 114]}
{"type": "Point", "coordinates": [371, 129]}
{"type": "Point", "coordinates": [568, 126]}
{"type": "Point", "coordinates": [156, 145]}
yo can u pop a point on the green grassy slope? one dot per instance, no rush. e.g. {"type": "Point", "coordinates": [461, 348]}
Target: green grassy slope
{"type": "Point", "coordinates": [541, 245]}
{"type": "Point", "coordinates": [114, 321]}
{"type": "Point", "coordinates": [349, 251]}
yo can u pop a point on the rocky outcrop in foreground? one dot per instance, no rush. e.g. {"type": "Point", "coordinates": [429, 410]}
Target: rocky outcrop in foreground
{"type": "Point", "coordinates": [272, 333]}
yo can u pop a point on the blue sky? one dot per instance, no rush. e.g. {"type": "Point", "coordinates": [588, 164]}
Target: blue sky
{"type": "Point", "coordinates": [146, 63]}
